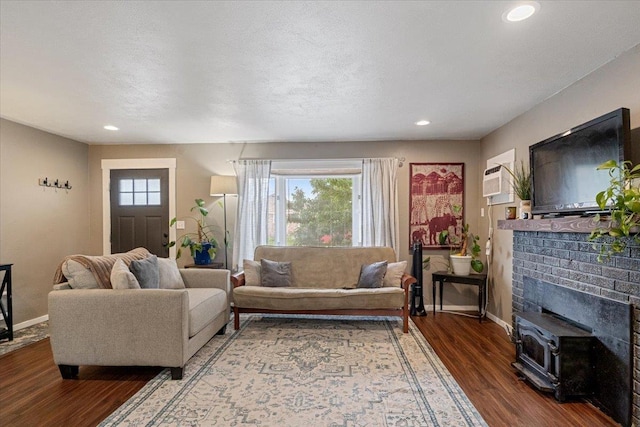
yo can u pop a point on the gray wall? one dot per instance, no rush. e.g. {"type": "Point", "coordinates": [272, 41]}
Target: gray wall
{"type": "Point", "coordinates": [615, 85]}
{"type": "Point", "coordinates": [38, 225]}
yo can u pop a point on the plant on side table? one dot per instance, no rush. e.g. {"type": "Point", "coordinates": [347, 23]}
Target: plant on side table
{"type": "Point", "coordinates": [201, 243]}
{"type": "Point", "coordinates": [464, 251]}
{"type": "Point", "coordinates": [622, 200]}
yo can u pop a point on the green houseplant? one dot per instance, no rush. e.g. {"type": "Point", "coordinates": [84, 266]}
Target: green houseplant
{"type": "Point", "coordinates": [622, 200]}
{"type": "Point", "coordinates": [201, 243]}
{"type": "Point", "coordinates": [521, 184]}
{"type": "Point", "coordinates": [464, 251]}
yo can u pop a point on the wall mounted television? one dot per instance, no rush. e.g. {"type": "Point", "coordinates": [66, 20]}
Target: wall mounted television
{"type": "Point", "coordinates": [563, 168]}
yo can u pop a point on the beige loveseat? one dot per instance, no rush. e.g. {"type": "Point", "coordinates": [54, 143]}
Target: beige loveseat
{"type": "Point", "coordinates": [137, 327]}
{"type": "Point", "coordinates": [323, 281]}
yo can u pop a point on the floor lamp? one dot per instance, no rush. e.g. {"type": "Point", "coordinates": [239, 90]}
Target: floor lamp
{"type": "Point", "coordinates": [224, 186]}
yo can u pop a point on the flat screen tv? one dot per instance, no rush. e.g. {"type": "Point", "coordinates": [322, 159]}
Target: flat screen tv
{"type": "Point", "coordinates": [563, 168]}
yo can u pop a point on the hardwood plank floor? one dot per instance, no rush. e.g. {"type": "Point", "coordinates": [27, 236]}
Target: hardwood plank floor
{"type": "Point", "coordinates": [32, 392]}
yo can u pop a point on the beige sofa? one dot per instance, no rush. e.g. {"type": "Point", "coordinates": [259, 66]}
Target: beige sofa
{"type": "Point", "coordinates": [323, 281]}
{"type": "Point", "coordinates": [138, 327]}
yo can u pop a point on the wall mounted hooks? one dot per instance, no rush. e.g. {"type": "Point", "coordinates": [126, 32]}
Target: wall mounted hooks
{"type": "Point", "coordinates": [56, 184]}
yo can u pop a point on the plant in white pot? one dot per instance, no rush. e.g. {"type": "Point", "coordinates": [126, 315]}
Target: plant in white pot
{"type": "Point", "coordinates": [464, 251]}
{"type": "Point", "coordinates": [622, 201]}
{"type": "Point", "coordinates": [521, 184]}
{"type": "Point", "coordinates": [201, 243]}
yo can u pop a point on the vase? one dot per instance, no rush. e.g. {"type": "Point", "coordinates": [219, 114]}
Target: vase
{"type": "Point", "coordinates": [460, 264]}
{"type": "Point", "coordinates": [525, 209]}
{"type": "Point", "coordinates": [202, 257]}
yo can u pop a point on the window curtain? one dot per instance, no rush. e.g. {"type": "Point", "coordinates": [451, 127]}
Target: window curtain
{"type": "Point", "coordinates": [253, 194]}
{"type": "Point", "coordinates": [380, 203]}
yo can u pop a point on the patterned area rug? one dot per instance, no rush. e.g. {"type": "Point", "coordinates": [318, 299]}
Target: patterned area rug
{"type": "Point", "coordinates": [303, 371]}
{"type": "Point", "coordinates": [25, 337]}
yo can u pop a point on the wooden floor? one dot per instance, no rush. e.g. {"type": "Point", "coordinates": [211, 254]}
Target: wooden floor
{"type": "Point", "coordinates": [32, 392]}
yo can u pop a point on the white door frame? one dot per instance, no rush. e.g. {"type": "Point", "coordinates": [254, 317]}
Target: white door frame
{"type": "Point", "coordinates": [107, 166]}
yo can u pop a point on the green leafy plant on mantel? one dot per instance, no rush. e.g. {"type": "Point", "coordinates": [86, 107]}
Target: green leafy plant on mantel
{"type": "Point", "coordinates": [622, 201]}
{"type": "Point", "coordinates": [521, 182]}
{"type": "Point", "coordinates": [202, 238]}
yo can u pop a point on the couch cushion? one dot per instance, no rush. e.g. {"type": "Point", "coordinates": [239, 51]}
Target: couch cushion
{"type": "Point", "coordinates": [205, 304]}
{"type": "Point", "coordinates": [317, 299]}
{"type": "Point", "coordinates": [395, 270]}
{"type": "Point", "coordinates": [78, 276]}
{"type": "Point", "coordinates": [325, 267]}
{"type": "Point", "coordinates": [372, 275]}
{"type": "Point", "coordinates": [146, 271]}
{"type": "Point", "coordinates": [251, 272]}
{"type": "Point", "coordinates": [122, 277]}
{"type": "Point", "coordinates": [170, 277]}
{"type": "Point", "coordinates": [275, 274]}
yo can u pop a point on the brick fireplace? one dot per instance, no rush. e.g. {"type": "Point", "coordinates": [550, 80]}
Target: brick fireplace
{"type": "Point", "coordinates": [557, 251]}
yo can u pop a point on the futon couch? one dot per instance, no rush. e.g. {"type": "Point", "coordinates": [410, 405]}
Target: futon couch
{"type": "Point", "coordinates": [322, 280]}
{"type": "Point", "coordinates": [96, 325]}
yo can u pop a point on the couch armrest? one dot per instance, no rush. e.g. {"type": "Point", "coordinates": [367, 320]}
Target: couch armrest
{"type": "Point", "coordinates": [107, 327]}
{"type": "Point", "coordinates": [61, 286]}
{"type": "Point", "coordinates": [407, 280]}
{"type": "Point", "coordinates": [206, 278]}
{"type": "Point", "coordinates": [237, 279]}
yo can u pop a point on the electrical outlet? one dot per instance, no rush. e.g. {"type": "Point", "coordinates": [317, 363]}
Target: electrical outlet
{"type": "Point", "coordinates": [180, 225]}
{"type": "Point", "coordinates": [482, 212]}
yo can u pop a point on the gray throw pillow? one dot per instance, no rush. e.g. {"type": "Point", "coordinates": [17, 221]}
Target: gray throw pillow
{"type": "Point", "coordinates": [275, 274]}
{"type": "Point", "coordinates": [147, 272]}
{"type": "Point", "coordinates": [170, 277]}
{"type": "Point", "coordinates": [372, 275]}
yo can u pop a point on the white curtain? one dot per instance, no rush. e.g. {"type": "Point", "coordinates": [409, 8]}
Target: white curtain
{"type": "Point", "coordinates": [251, 222]}
{"type": "Point", "coordinates": [380, 203]}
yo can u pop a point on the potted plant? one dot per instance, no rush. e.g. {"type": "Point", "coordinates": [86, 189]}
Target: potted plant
{"type": "Point", "coordinates": [521, 184]}
{"type": "Point", "coordinates": [464, 251]}
{"type": "Point", "coordinates": [201, 243]}
{"type": "Point", "coordinates": [622, 201]}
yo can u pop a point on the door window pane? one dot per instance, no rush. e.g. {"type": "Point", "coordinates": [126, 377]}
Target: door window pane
{"type": "Point", "coordinates": [139, 192]}
{"type": "Point", "coordinates": [126, 199]}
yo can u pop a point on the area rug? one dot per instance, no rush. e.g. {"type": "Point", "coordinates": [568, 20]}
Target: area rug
{"type": "Point", "coordinates": [306, 371]}
{"type": "Point", "coordinates": [24, 337]}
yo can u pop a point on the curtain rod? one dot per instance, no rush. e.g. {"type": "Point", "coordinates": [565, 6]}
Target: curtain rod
{"type": "Point", "coordinates": [400, 160]}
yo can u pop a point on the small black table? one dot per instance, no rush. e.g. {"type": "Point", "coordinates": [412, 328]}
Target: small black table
{"type": "Point", "coordinates": [479, 280]}
{"type": "Point", "coordinates": [6, 310]}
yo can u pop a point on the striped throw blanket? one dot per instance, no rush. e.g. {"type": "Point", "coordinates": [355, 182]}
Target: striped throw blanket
{"type": "Point", "coordinates": [101, 266]}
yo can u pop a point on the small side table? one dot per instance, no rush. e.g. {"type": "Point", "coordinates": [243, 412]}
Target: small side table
{"type": "Point", "coordinates": [479, 280]}
{"type": "Point", "coordinates": [213, 265]}
{"type": "Point", "coordinates": [6, 309]}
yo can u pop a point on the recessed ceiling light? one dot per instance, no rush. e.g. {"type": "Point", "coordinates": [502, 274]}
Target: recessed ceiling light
{"type": "Point", "coordinates": [110, 127]}
{"type": "Point", "coordinates": [423, 122]}
{"type": "Point", "coordinates": [521, 12]}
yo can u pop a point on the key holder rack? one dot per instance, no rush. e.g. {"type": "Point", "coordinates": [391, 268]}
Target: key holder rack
{"type": "Point", "coordinates": [56, 184]}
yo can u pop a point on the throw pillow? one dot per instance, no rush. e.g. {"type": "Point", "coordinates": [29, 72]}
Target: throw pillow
{"type": "Point", "coordinates": [147, 272]}
{"type": "Point", "coordinates": [251, 272]}
{"type": "Point", "coordinates": [275, 274]}
{"type": "Point", "coordinates": [170, 277]}
{"type": "Point", "coordinates": [372, 275]}
{"type": "Point", "coordinates": [122, 277]}
{"type": "Point", "coordinates": [78, 276]}
{"type": "Point", "coordinates": [393, 278]}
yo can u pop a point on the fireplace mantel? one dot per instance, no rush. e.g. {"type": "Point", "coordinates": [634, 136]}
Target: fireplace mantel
{"type": "Point", "coordinates": [553, 225]}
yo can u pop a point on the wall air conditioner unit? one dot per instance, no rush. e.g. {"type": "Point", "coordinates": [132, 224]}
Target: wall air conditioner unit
{"type": "Point", "coordinates": [495, 181]}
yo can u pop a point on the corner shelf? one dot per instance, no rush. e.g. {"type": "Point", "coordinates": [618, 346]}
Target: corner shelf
{"type": "Point", "coordinates": [553, 225]}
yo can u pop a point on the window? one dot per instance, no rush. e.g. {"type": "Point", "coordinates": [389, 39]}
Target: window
{"type": "Point", "coordinates": [139, 192]}
{"type": "Point", "coordinates": [316, 206]}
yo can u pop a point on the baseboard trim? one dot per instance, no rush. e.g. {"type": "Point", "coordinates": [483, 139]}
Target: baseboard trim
{"type": "Point", "coordinates": [507, 327]}
{"type": "Point", "coordinates": [31, 322]}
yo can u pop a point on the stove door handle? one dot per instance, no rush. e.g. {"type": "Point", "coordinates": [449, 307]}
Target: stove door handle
{"type": "Point", "coordinates": [553, 348]}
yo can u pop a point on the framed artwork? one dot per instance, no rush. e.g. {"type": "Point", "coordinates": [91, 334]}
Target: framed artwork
{"type": "Point", "coordinates": [436, 198]}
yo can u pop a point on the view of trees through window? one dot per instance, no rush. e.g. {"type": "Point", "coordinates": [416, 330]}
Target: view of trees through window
{"type": "Point", "coordinates": [317, 212]}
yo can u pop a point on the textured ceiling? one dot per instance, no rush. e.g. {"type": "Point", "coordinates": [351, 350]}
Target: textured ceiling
{"type": "Point", "coordinates": [191, 72]}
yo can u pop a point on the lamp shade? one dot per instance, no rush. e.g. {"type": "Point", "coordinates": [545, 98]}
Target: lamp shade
{"type": "Point", "coordinates": [221, 185]}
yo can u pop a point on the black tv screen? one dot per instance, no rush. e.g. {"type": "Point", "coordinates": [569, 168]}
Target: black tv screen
{"type": "Point", "coordinates": [563, 168]}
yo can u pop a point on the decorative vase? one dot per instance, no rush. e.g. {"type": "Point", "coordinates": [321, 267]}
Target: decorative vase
{"type": "Point", "coordinates": [202, 257]}
{"type": "Point", "coordinates": [461, 264]}
{"type": "Point", "coordinates": [525, 209]}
